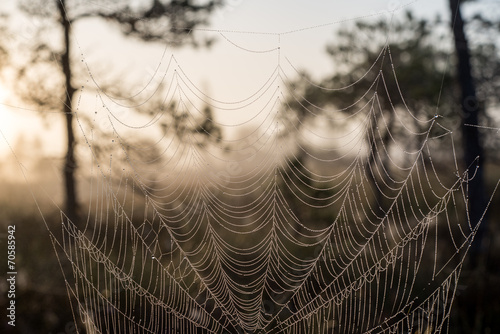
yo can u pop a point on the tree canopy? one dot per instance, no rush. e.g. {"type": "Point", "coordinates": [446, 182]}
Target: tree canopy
{"type": "Point", "coordinates": [50, 77]}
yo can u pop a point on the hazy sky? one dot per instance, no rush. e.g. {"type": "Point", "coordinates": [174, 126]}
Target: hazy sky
{"type": "Point", "coordinates": [232, 69]}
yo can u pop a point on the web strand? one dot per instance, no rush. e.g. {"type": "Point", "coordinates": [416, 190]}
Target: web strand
{"type": "Point", "coordinates": [319, 219]}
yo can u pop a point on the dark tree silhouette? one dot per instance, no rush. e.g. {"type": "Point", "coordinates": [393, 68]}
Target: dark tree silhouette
{"type": "Point", "coordinates": [370, 54]}
{"type": "Point", "coordinates": [470, 109]}
{"type": "Point", "coordinates": [169, 21]}
{"type": "Point", "coordinates": [474, 300]}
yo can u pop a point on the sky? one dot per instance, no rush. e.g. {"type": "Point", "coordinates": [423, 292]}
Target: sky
{"type": "Point", "coordinates": [233, 69]}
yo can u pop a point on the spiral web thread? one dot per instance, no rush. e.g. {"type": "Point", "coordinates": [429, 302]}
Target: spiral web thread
{"type": "Point", "coordinates": [288, 229]}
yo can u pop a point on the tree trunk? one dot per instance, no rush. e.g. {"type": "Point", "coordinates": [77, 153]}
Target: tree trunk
{"type": "Point", "coordinates": [378, 162]}
{"type": "Point", "coordinates": [473, 153]}
{"type": "Point", "coordinates": [69, 168]}
{"type": "Point", "coordinates": [473, 297]}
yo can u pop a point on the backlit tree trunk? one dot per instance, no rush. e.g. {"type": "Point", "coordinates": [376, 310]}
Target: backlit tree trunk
{"type": "Point", "coordinates": [473, 153]}
{"type": "Point", "coordinates": [69, 168]}
{"type": "Point", "coordinates": [473, 298]}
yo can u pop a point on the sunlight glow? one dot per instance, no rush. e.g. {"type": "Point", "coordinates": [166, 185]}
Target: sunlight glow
{"type": "Point", "coordinates": [18, 123]}
{"type": "Point", "coordinates": [7, 119]}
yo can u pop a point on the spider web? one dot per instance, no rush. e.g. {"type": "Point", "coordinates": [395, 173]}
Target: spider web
{"type": "Point", "coordinates": [332, 225]}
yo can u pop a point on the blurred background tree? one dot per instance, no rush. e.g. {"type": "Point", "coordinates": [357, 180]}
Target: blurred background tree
{"type": "Point", "coordinates": [365, 54]}
{"type": "Point", "coordinates": [48, 78]}
{"type": "Point", "coordinates": [403, 66]}
{"type": "Point", "coordinates": [170, 22]}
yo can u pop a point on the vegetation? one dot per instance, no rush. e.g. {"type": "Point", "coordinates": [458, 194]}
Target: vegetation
{"type": "Point", "coordinates": [171, 22]}
{"type": "Point", "coordinates": [383, 58]}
